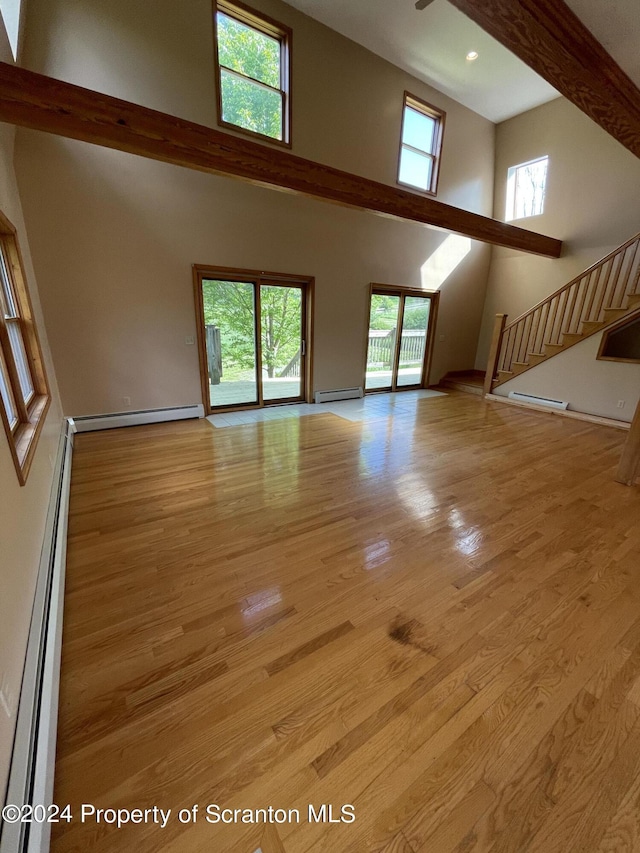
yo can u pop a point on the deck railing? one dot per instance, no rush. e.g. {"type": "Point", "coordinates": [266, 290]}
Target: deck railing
{"type": "Point", "coordinates": [585, 299]}
{"type": "Point", "coordinates": [293, 368]}
{"type": "Point", "coordinates": [382, 345]}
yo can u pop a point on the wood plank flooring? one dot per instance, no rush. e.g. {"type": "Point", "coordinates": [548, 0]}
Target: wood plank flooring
{"type": "Point", "coordinates": [434, 618]}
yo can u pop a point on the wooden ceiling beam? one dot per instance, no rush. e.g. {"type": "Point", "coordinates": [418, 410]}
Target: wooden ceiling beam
{"type": "Point", "coordinates": [32, 100]}
{"type": "Point", "coordinates": [551, 39]}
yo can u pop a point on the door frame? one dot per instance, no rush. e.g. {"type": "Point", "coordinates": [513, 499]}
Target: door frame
{"type": "Point", "coordinates": [400, 290]}
{"type": "Point", "coordinates": [256, 277]}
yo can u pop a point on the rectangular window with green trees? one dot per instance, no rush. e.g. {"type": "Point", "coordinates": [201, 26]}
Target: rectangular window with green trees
{"type": "Point", "coordinates": [253, 60]}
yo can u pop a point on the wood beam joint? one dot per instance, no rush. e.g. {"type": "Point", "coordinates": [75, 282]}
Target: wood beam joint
{"type": "Point", "coordinates": [549, 37]}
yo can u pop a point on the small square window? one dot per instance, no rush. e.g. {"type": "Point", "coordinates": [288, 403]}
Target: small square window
{"type": "Point", "coordinates": [526, 187]}
{"type": "Point", "coordinates": [420, 145]}
{"type": "Point", "coordinates": [252, 71]}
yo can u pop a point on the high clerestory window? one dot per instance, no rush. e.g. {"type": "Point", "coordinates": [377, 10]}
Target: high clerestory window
{"type": "Point", "coordinates": [253, 60]}
{"type": "Point", "coordinates": [420, 145]}
{"type": "Point", "coordinates": [526, 189]}
{"type": "Point", "coordinates": [24, 394]}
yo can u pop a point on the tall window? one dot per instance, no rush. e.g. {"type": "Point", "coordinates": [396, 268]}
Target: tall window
{"type": "Point", "coordinates": [526, 187]}
{"type": "Point", "coordinates": [23, 384]}
{"type": "Point", "coordinates": [420, 145]}
{"type": "Point", "coordinates": [253, 72]}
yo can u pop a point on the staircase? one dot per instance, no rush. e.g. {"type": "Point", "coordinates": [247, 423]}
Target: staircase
{"type": "Point", "coordinates": [469, 381]}
{"type": "Point", "coordinates": [598, 297]}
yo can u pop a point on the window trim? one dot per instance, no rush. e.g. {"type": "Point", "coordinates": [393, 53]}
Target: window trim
{"type": "Point", "coordinates": [274, 29]}
{"type": "Point", "coordinates": [511, 192]}
{"type": "Point", "coordinates": [23, 435]}
{"type": "Point", "coordinates": [421, 106]}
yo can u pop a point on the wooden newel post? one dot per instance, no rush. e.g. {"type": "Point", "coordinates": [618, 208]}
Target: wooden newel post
{"type": "Point", "coordinates": [494, 352]}
{"type": "Point", "coordinates": [629, 466]}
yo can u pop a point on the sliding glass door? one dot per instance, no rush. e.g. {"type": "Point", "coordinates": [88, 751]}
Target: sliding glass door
{"type": "Point", "coordinates": [384, 318]}
{"type": "Point", "coordinates": [413, 341]}
{"type": "Point", "coordinates": [230, 338]}
{"type": "Point", "coordinates": [399, 339]}
{"type": "Point", "coordinates": [253, 334]}
{"type": "Point", "coordinates": [282, 341]}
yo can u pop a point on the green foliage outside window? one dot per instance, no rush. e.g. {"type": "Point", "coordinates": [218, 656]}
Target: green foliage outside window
{"type": "Point", "coordinates": [254, 56]}
{"type": "Point", "coordinates": [229, 305]}
{"type": "Point", "coordinates": [384, 313]}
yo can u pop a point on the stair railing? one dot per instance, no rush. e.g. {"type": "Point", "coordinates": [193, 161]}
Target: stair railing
{"type": "Point", "coordinates": [605, 285]}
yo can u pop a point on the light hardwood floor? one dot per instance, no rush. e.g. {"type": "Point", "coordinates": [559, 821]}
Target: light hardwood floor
{"type": "Point", "coordinates": [435, 619]}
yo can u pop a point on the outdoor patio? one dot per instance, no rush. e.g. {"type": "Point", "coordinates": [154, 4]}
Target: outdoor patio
{"type": "Point", "coordinates": [382, 378]}
{"type": "Point", "coordinates": [237, 391]}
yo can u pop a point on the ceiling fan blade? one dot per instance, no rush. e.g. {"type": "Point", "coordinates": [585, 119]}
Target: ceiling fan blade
{"type": "Point", "coordinates": [422, 4]}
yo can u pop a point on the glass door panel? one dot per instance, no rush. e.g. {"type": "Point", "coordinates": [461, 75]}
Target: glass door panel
{"type": "Point", "coordinates": [281, 339]}
{"type": "Point", "coordinates": [381, 349]}
{"type": "Point", "coordinates": [230, 337]}
{"type": "Point", "coordinates": [415, 322]}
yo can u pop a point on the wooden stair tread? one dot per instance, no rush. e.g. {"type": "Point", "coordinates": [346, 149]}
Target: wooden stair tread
{"type": "Point", "coordinates": [472, 381]}
{"type": "Point", "coordinates": [591, 326]}
{"type": "Point", "coordinates": [467, 387]}
{"type": "Point", "coordinates": [535, 325]}
{"type": "Point", "coordinates": [536, 358]}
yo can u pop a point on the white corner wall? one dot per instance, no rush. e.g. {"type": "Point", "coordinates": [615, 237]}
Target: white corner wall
{"type": "Point", "coordinates": [23, 509]}
{"type": "Point", "coordinates": [592, 203]}
{"type": "Point", "coordinates": [589, 385]}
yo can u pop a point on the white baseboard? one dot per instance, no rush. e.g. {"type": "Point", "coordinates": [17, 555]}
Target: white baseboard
{"type": "Point", "coordinates": [147, 416]}
{"type": "Point", "coordinates": [33, 759]}
{"type": "Point", "coordinates": [539, 401]}
{"type": "Point", "coordinates": [565, 413]}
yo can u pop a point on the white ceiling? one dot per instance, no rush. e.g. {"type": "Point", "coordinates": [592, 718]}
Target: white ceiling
{"type": "Point", "coordinates": [616, 25]}
{"type": "Point", "coordinates": [432, 45]}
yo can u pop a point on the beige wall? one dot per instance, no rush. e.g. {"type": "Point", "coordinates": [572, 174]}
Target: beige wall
{"type": "Point", "coordinates": [347, 102]}
{"type": "Point", "coordinates": [596, 390]}
{"type": "Point", "coordinates": [22, 508]}
{"type": "Point", "coordinates": [592, 203]}
{"type": "Point", "coordinates": [114, 236]}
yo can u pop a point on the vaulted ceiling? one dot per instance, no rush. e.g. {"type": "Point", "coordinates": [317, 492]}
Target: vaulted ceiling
{"type": "Point", "coordinates": [432, 44]}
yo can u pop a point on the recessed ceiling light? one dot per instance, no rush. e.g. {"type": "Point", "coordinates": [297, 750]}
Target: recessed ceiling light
{"type": "Point", "coordinates": [472, 56]}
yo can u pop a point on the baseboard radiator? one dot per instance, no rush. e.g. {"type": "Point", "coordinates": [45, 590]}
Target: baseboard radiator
{"type": "Point", "coordinates": [538, 401]}
{"type": "Point", "coordinates": [338, 394]}
{"type": "Point", "coordinates": [145, 416]}
{"type": "Point", "coordinates": [34, 749]}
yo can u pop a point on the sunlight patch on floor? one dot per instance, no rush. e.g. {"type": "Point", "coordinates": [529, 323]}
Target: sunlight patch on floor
{"type": "Point", "coordinates": [370, 407]}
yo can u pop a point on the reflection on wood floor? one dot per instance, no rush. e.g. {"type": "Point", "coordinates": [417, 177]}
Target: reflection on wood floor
{"type": "Point", "coordinates": [434, 619]}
